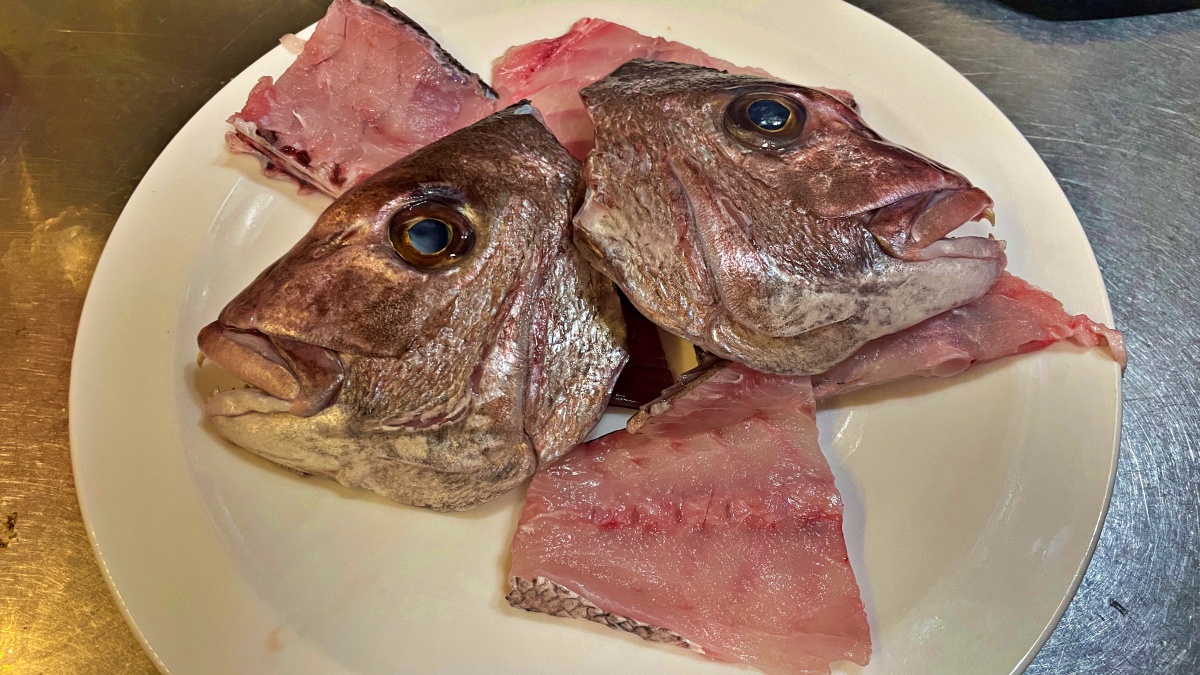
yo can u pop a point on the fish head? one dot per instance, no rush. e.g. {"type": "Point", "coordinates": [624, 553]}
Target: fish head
{"type": "Point", "coordinates": [391, 347]}
{"type": "Point", "coordinates": [379, 271]}
{"type": "Point", "coordinates": [785, 212]}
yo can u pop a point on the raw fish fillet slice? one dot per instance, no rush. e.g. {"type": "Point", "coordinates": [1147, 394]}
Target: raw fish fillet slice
{"type": "Point", "coordinates": [1014, 317]}
{"type": "Point", "coordinates": [714, 395]}
{"type": "Point", "coordinates": [727, 541]}
{"type": "Point", "coordinates": [369, 87]}
{"type": "Point", "coordinates": [551, 72]}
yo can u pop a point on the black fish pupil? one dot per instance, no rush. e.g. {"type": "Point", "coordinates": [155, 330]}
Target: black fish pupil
{"type": "Point", "coordinates": [768, 114]}
{"type": "Point", "coordinates": [429, 236]}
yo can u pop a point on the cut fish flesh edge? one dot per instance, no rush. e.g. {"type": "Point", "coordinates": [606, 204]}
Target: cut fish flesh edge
{"type": "Point", "coordinates": [246, 140]}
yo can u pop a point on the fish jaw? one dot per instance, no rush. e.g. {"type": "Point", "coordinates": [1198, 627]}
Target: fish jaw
{"type": "Point", "coordinates": [916, 228]}
{"type": "Point", "coordinates": [460, 449]}
{"type": "Point", "coordinates": [896, 304]}
{"type": "Point", "coordinates": [450, 468]}
{"type": "Point", "coordinates": [307, 377]}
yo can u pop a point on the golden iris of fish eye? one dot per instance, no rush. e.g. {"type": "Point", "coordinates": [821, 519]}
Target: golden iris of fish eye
{"type": "Point", "coordinates": [415, 221]}
{"type": "Point", "coordinates": [460, 235]}
{"type": "Point", "coordinates": [738, 121]}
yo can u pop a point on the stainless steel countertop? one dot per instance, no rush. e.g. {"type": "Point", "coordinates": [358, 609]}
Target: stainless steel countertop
{"type": "Point", "coordinates": [1113, 107]}
{"type": "Point", "coordinates": [90, 93]}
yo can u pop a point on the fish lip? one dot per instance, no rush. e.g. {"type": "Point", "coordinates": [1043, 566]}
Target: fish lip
{"type": "Point", "coordinates": [305, 376]}
{"type": "Point", "coordinates": [239, 402]}
{"type": "Point", "coordinates": [915, 228]}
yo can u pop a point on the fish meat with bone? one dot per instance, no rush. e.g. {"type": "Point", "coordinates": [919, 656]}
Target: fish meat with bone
{"type": "Point", "coordinates": [722, 534]}
{"type": "Point", "coordinates": [766, 222]}
{"type": "Point", "coordinates": [369, 87]}
{"type": "Point", "coordinates": [1014, 317]}
{"type": "Point", "coordinates": [435, 336]}
{"type": "Point", "coordinates": [551, 72]}
{"type": "Point", "coordinates": [684, 529]}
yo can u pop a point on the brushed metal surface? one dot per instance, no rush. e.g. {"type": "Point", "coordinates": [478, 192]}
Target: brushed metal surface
{"type": "Point", "coordinates": [90, 92]}
{"type": "Point", "coordinates": [1113, 107]}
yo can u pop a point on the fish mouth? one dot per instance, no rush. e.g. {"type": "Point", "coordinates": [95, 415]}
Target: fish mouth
{"type": "Point", "coordinates": [285, 375]}
{"type": "Point", "coordinates": [915, 228]}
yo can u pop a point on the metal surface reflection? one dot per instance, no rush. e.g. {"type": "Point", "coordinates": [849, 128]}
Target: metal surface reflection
{"type": "Point", "coordinates": [91, 92]}
{"type": "Point", "coordinates": [1112, 108]}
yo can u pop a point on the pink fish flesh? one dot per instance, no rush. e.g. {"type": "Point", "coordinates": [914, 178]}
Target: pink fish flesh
{"type": "Point", "coordinates": [369, 87]}
{"type": "Point", "coordinates": [624, 531]}
{"type": "Point", "coordinates": [727, 541]}
{"type": "Point", "coordinates": [1014, 317]}
{"type": "Point", "coordinates": [551, 72]}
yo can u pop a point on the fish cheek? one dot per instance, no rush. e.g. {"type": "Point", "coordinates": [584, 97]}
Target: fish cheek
{"type": "Point", "coordinates": [836, 179]}
{"type": "Point", "coordinates": [456, 449]}
{"type": "Point", "coordinates": [780, 292]}
{"type": "Point", "coordinates": [463, 464]}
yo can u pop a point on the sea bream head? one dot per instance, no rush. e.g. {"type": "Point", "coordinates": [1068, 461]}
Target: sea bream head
{"type": "Point", "coordinates": [417, 341]}
{"type": "Point", "coordinates": [765, 221]}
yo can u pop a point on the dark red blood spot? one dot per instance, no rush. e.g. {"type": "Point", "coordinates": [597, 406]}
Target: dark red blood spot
{"type": "Point", "coordinates": [647, 373]}
{"type": "Point", "coordinates": [300, 156]}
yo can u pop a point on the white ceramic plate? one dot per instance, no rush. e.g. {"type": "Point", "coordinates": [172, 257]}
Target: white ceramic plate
{"type": "Point", "coordinates": [972, 508]}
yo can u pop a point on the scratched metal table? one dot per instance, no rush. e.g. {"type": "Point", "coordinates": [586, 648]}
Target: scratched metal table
{"type": "Point", "coordinates": [90, 92]}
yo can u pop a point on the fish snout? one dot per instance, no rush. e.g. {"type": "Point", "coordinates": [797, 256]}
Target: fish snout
{"type": "Point", "coordinates": [915, 228]}
{"type": "Point", "coordinates": [306, 376]}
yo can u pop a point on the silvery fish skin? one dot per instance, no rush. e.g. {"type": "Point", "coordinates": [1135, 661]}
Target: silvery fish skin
{"type": "Point", "coordinates": [436, 335]}
{"type": "Point", "coordinates": [765, 221]}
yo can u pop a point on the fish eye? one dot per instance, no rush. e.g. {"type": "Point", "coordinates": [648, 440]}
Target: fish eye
{"type": "Point", "coordinates": [768, 114]}
{"type": "Point", "coordinates": [429, 235]}
{"type": "Point", "coordinates": [765, 120]}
